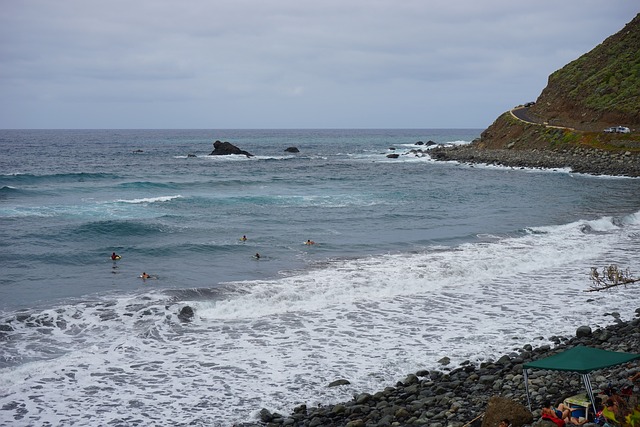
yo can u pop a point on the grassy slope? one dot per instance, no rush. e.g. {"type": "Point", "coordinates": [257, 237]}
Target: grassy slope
{"type": "Point", "coordinates": [604, 82]}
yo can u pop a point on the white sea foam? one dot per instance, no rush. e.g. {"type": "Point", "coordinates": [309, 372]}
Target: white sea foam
{"type": "Point", "coordinates": [150, 199]}
{"type": "Point", "coordinates": [566, 170]}
{"type": "Point", "coordinates": [242, 157]}
{"type": "Point", "coordinates": [228, 158]}
{"type": "Point", "coordinates": [96, 210]}
{"type": "Point", "coordinates": [284, 157]}
{"type": "Point", "coordinates": [459, 142]}
{"type": "Point", "coordinates": [278, 343]}
{"type": "Point", "coordinates": [92, 209]}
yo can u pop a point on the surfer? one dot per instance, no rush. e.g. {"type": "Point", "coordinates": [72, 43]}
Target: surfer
{"type": "Point", "coordinates": [115, 256]}
{"type": "Point", "coordinates": [257, 255]}
{"type": "Point", "coordinates": [243, 238]}
{"type": "Point", "coordinates": [309, 242]}
{"type": "Point", "coordinates": [145, 276]}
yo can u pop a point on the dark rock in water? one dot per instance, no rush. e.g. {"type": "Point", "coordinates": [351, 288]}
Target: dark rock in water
{"type": "Point", "coordinates": [410, 379]}
{"type": "Point", "coordinates": [265, 415]}
{"type": "Point", "coordinates": [419, 143]}
{"type": "Point", "coordinates": [22, 317]}
{"type": "Point", "coordinates": [138, 151]}
{"type": "Point", "coordinates": [444, 361]}
{"type": "Point", "coordinates": [225, 148]}
{"type": "Point", "coordinates": [393, 156]}
{"type": "Point", "coordinates": [430, 143]}
{"type": "Point", "coordinates": [418, 152]}
{"type": "Point", "coordinates": [191, 155]}
{"type": "Point", "coordinates": [186, 314]}
{"type": "Point", "coordinates": [337, 383]}
{"type": "Point", "coordinates": [292, 150]}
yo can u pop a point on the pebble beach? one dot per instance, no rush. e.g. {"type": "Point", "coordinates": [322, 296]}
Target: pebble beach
{"type": "Point", "coordinates": [456, 396]}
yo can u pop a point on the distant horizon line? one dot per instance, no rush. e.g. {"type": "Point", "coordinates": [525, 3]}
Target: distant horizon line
{"type": "Point", "coordinates": [213, 129]}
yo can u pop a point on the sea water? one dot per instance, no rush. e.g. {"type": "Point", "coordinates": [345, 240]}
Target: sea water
{"type": "Point", "coordinates": [413, 260]}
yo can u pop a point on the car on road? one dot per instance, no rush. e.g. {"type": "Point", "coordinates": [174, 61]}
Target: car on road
{"type": "Point", "coordinates": [617, 129]}
{"type": "Point", "coordinates": [529, 104]}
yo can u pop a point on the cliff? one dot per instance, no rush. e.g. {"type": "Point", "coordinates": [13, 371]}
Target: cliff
{"type": "Point", "coordinates": [598, 90]}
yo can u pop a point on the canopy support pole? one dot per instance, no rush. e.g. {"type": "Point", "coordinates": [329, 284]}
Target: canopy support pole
{"type": "Point", "coordinates": [526, 387]}
{"type": "Point", "coordinates": [587, 384]}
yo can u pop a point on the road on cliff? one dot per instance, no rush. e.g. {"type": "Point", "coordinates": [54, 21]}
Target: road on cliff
{"type": "Point", "coordinates": [522, 113]}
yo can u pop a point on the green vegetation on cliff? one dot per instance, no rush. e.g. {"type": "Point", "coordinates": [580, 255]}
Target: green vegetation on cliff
{"type": "Point", "coordinates": [608, 77]}
{"type": "Point", "coordinates": [600, 88]}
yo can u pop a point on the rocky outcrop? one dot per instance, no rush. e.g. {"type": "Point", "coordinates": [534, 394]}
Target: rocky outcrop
{"type": "Point", "coordinates": [338, 383]}
{"type": "Point", "coordinates": [225, 148]}
{"type": "Point", "coordinates": [579, 159]}
{"type": "Point", "coordinates": [292, 150]}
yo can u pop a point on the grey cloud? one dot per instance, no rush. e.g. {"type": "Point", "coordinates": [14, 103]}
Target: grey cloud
{"type": "Point", "coordinates": [292, 57]}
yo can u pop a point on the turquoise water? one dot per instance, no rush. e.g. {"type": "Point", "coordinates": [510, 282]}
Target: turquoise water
{"type": "Point", "coordinates": [447, 258]}
{"type": "Point", "coordinates": [70, 198]}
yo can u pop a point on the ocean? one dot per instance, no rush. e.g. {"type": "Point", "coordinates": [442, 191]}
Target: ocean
{"type": "Point", "coordinates": [413, 260]}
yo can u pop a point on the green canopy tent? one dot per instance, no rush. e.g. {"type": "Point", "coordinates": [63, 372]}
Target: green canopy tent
{"type": "Point", "coordinates": [582, 360]}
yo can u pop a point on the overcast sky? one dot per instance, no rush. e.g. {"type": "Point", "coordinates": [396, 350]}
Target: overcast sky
{"type": "Point", "coordinates": [213, 64]}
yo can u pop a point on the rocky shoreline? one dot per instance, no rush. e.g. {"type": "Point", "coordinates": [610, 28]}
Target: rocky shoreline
{"type": "Point", "coordinates": [456, 397]}
{"type": "Point", "coordinates": [579, 159]}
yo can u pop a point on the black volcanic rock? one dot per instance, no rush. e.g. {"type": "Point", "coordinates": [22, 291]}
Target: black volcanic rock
{"type": "Point", "coordinates": [225, 148]}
